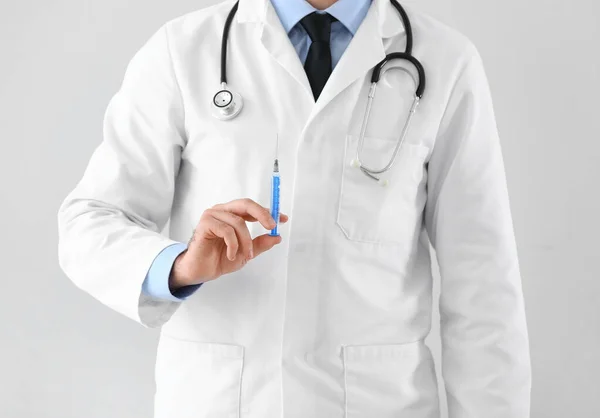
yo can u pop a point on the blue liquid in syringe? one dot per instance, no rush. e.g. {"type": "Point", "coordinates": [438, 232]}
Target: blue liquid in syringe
{"type": "Point", "coordinates": [275, 182]}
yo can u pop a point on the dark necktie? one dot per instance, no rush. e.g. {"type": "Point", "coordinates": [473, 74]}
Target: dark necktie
{"type": "Point", "coordinates": [318, 60]}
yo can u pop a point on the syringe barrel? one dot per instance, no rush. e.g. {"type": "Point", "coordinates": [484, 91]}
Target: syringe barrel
{"type": "Point", "coordinates": [275, 183]}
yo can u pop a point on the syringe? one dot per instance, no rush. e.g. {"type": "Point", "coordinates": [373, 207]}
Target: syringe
{"type": "Point", "coordinates": [275, 182]}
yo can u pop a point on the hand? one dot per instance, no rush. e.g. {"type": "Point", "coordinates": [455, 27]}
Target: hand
{"type": "Point", "coordinates": [221, 242]}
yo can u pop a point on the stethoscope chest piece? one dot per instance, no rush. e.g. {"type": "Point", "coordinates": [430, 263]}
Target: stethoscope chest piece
{"type": "Point", "coordinates": [226, 104]}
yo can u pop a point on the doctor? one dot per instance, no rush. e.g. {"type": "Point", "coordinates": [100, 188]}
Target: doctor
{"type": "Point", "coordinates": [329, 319]}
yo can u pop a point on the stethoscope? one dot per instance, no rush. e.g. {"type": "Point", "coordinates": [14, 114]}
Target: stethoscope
{"type": "Point", "coordinates": [227, 104]}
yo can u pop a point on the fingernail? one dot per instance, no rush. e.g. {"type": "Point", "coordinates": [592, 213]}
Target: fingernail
{"type": "Point", "coordinates": [251, 253]}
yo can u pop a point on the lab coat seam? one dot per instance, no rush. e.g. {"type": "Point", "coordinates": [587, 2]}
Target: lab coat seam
{"type": "Point", "coordinates": [176, 79]}
{"type": "Point", "coordinates": [341, 193]}
{"type": "Point", "coordinates": [389, 344]}
{"type": "Point", "coordinates": [345, 380]}
{"type": "Point", "coordinates": [240, 382]}
{"type": "Point", "coordinates": [194, 341]}
{"type": "Point", "coordinates": [462, 140]}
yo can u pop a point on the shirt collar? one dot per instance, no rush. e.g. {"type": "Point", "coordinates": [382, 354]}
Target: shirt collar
{"type": "Point", "coordinates": [349, 12]}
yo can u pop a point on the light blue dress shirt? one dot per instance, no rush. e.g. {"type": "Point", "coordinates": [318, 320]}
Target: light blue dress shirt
{"type": "Point", "coordinates": [349, 15]}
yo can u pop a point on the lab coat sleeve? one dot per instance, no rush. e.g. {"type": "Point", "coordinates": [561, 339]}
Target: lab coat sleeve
{"type": "Point", "coordinates": [485, 349]}
{"type": "Point", "coordinates": [109, 224]}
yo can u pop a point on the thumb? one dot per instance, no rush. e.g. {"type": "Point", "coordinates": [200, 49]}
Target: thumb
{"type": "Point", "coordinates": [264, 243]}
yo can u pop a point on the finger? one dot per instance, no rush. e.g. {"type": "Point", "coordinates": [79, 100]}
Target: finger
{"type": "Point", "coordinates": [264, 243]}
{"type": "Point", "coordinates": [241, 230]}
{"type": "Point", "coordinates": [222, 230]}
{"type": "Point", "coordinates": [283, 218]}
{"type": "Point", "coordinates": [244, 207]}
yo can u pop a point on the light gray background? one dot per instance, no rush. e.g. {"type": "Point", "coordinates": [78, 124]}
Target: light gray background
{"type": "Point", "coordinates": [64, 355]}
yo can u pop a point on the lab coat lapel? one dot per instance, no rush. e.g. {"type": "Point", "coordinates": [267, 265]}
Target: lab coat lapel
{"type": "Point", "coordinates": [277, 43]}
{"type": "Point", "coordinates": [366, 49]}
{"type": "Point", "coordinates": [362, 54]}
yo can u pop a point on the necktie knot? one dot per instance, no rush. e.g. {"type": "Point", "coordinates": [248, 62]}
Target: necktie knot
{"type": "Point", "coordinates": [318, 26]}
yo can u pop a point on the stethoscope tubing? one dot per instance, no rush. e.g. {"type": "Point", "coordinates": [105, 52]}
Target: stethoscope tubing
{"type": "Point", "coordinates": [226, 28]}
{"type": "Point", "coordinates": [405, 56]}
{"type": "Point", "coordinates": [378, 71]}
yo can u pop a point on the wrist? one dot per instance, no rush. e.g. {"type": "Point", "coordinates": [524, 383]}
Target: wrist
{"type": "Point", "coordinates": [178, 277]}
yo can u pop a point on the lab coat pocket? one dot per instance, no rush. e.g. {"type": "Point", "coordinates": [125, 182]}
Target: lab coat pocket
{"type": "Point", "coordinates": [198, 379]}
{"type": "Point", "coordinates": [385, 212]}
{"type": "Point", "coordinates": [390, 381]}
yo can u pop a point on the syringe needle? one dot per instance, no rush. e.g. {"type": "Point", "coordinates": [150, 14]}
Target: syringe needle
{"type": "Point", "coordinates": [276, 165]}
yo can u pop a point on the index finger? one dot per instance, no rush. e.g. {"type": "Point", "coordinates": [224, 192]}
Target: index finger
{"type": "Point", "coordinates": [248, 208]}
{"type": "Point", "coordinates": [283, 218]}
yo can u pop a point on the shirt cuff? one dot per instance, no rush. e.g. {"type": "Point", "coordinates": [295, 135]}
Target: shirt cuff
{"type": "Point", "coordinates": [156, 283]}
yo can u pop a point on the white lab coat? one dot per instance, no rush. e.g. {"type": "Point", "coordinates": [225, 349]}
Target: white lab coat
{"type": "Point", "coordinates": [331, 322]}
